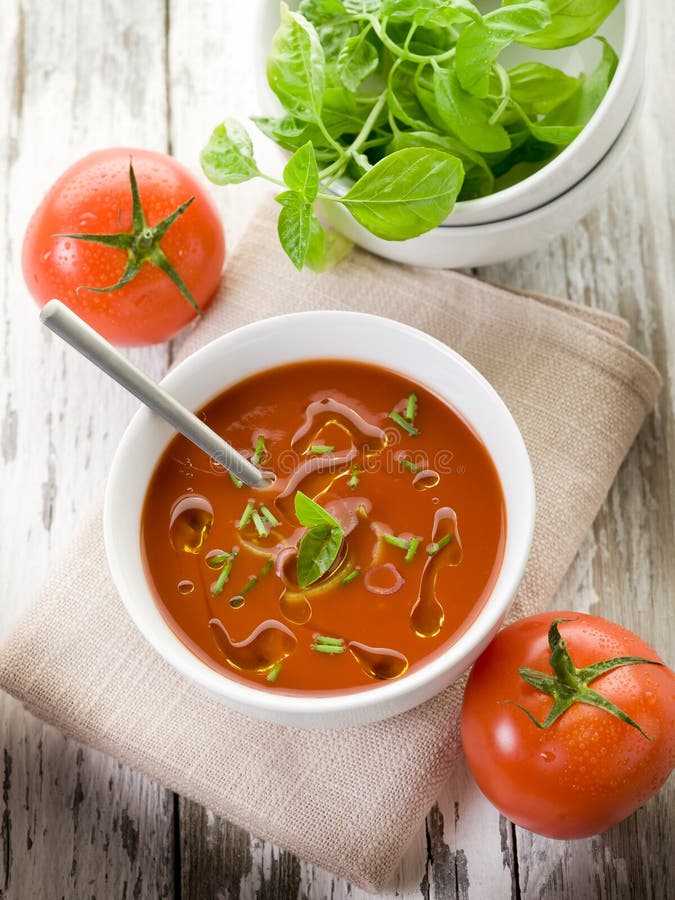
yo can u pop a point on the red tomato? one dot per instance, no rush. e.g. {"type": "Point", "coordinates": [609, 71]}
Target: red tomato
{"type": "Point", "coordinates": [587, 770]}
{"type": "Point", "coordinates": [94, 197]}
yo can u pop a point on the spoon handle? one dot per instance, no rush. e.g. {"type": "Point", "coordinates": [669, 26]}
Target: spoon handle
{"type": "Point", "coordinates": [63, 322]}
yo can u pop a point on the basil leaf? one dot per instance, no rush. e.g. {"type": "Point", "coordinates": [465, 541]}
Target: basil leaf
{"type": "Point", "coordinates": [316, 246]}
{"type": "Point", "coordinates": [309, 513]}
{"type": "Point", "coordinates": [317, 552]}
{"type": "Point", "coordinates": [341, 112]}
{"type": "Point", "coordinates": [480, 43]}
{"type": "Point", "coordinates": [290, 133]}
{"type": "Point", "coordinates": [402, 101]}
{"type": "Point", "coordinates": [519, 172]}
{"type": "Point", "coordinates": [560, 135]}
{"type": "Point", "coordinates": [571, 22]}
{"type": "Point", "coordinates": [362, 6]}
{"type": "Point", "coordinates": [568, 119]}
{"type": "Point", "coordinates": [466, 115]}
{"type": "Point", "coordinates": [333, 37]}
{"type": "Point", "coordinates": [293, 226]}
{"type": "Point", "coordinates": [357, 60]}
{"type": "Point", "coordinates": [539, 88]}
{"type": "Point", "coordinates": [430, 40]}
{"type": "Point", "coordinates": [228, 156]}
{"type": "Point", "coordinates": [301, 173]}
{"type": "Point", "coordinates": [406, 193]}
{"type": "Point", "coordinates": [326, 248]}
{"type": "Point", "coordinates": [420, 11]}
{"type": "Point", "coordinates": [478, 179]}
{"type": "Point", "coordinates": [321, 11]}
{"type": "Point", "coordinates": [296, 66]}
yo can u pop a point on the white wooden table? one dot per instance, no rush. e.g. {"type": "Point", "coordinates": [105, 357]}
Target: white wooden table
{"type": "Point", "coordinates": [73, 823]}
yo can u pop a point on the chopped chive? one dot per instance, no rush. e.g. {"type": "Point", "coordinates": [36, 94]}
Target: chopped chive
{"type": "Point", "coordinates": [321, 448]}
{"type": "Point", "coordinates": [254, 579]}
{"type": "Point", "coordinates": [411, 407]}
{"type": "Point", "coordinates": [324, 639]}
{"type": "Point", "coordinates": [350, 576]}
{"type": "Point", "coordinates": [396, 541]}
{"type": "Point", "coordinates": [246, 515]}
{"type": "Point", "coordinates": [354, 480]}
{"type": "Point", "coordinates": [412, 549]}
{"type": "Point", "coordinates": [260, 450]}
{"type": "Point", "coordinates": [362, 511]}
{"type": "Point", "coordinates": [271, 518]}
{"type": "Point", "coordinates": [237, 482]}
{"type": "Point", "coordinates": [215, 562]}
{"type": "Point", "coordinates": [259, 524]}
{"type": "Point", "coordinates": [407, 426]}
{"type": "Point", "coordinates": [328, 648]}
{"type": "Point", "coordinates": [410, 466]}
{"type": "Point", "coordinates": [273, 673]}
{"type": "Point", "coordinates": [433, 549]}
{"type": "Point", "coordinates": [224, 576]}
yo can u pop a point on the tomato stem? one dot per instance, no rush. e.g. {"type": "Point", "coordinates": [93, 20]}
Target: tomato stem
{"type": "Point", "coordinates": [569, 685]}
{"type": "Point", "coordinates": [141, 244]}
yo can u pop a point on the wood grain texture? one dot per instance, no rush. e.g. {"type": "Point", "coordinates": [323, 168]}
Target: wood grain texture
{"type": "Point", "coordinates": [76, 824]}
{"type": "Point", "coordinates": [620, 259]}
{"type": "Point", "coordinates": [74, 77]}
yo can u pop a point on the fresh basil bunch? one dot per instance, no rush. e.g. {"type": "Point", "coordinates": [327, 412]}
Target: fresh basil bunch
{"type": "Point", "coordinates": [408, 99]}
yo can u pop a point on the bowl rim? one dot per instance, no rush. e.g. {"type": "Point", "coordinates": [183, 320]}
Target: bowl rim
{"type": "Point", "coordinates": [309, 706]}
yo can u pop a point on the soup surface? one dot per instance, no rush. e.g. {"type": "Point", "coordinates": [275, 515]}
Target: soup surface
{"type": "Point", "coordinates": [374, 548]}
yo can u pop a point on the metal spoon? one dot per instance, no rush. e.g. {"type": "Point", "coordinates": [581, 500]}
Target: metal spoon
{"type": "Point", "coordinates": [62, 321]}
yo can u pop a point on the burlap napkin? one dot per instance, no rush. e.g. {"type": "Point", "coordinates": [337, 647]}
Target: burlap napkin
{"type": "Point", "coordinates": [348, 800]}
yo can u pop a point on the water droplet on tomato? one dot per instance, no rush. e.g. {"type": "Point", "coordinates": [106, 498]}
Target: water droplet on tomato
{"type": "Point", "coordinates": [185, 587]}
{"type": "Point", "coordinates": [547, 756]}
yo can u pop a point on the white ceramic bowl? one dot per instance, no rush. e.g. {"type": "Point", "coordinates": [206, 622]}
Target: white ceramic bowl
{"type": "Point", "coordinates": [465, 246]}
{"type": "Point", "coordinates": [624, 28]}
{"type": "Point", "coordinates": [273, 342]}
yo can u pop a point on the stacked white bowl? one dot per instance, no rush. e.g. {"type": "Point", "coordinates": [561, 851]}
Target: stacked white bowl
{"type": "Point", "coordinates": [525, 216]}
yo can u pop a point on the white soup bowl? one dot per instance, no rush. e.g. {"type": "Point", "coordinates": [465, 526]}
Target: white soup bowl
{"type": "Point", "coordinates": [275, 342]}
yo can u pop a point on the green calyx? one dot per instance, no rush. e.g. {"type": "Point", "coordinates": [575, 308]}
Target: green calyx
{"type": "Point", "coordinates": [569, 685]}
{"type": "Point", "coordinates": [141, 244]}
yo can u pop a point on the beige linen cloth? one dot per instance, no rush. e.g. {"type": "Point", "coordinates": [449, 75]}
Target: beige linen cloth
{"type": "Point", "coordinates": [346, 800]}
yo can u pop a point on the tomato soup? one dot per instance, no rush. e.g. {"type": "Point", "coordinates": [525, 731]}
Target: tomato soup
{"type": "Point", "coordinates": [373, 548]}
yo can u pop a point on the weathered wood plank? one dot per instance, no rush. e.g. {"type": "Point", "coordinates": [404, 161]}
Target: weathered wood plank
{"type": "Point", "coordinates": [76, 823]}
{"type": "Point", "coordinates": [74, 77]}
{"type": "Point", "coordinates": [621, 259]}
